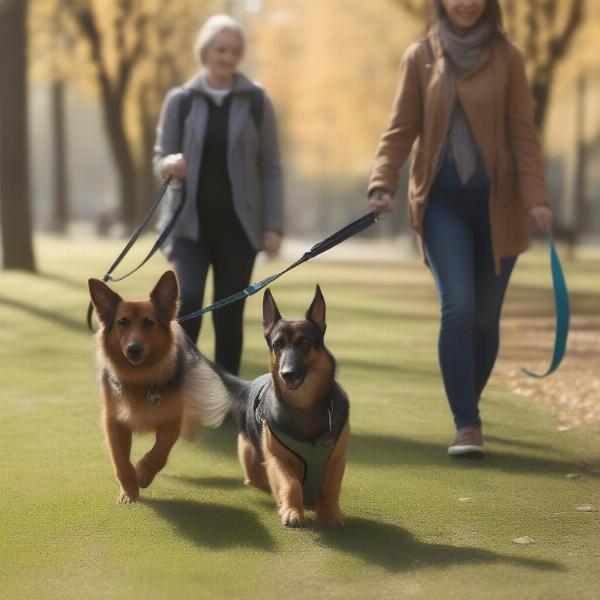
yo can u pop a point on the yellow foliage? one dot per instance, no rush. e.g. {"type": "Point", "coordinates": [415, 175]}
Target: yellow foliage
{"type": "Point", "coordinates": [331, 68]}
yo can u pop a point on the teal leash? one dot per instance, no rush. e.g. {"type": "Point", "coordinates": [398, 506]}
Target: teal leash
{"type": "Point", "coordinates": [561, 302]}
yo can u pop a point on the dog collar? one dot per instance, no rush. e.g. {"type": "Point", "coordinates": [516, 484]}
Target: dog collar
{"type": "Point", "coordinates": [153, 395]}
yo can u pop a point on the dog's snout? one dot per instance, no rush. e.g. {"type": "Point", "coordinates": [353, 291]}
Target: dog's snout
{"type": "Point", "coordinates": [134, 350]}
{"type": "Point", "coordinates": [289, 375]}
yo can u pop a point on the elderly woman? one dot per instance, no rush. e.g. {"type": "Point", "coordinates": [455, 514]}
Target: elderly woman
{"type": "Point", "coordinates": [217, 135]}
{"type": "Point", "coordinates": [476, 185]}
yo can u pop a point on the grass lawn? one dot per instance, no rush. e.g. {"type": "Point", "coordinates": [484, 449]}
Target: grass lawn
{"type": "Point", "coordinates": [418, 524]}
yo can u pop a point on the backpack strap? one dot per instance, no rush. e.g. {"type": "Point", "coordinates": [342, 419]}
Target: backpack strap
{"type": "Point", "coordinates": [185, 106]}
{"type": "Point", "coordinates": [257, 106]}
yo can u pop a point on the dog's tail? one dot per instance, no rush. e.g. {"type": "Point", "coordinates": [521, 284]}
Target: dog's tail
{"type": "Point", "coordinates": [208, 398]}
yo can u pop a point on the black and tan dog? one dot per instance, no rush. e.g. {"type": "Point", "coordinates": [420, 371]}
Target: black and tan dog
{"type": "Point", "coordinates": [293, 421]}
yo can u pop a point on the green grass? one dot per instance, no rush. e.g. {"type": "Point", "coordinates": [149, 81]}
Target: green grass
{"type": "Point", "coordinates": [199, 533]}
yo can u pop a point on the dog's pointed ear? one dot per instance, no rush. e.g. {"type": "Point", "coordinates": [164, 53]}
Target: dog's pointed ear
{"type": "Point", "coordinates": [105, 301]}
{"type": "Point", "coordinates": [164, 296]}
{"type": "Point", "coordinates": [316, 311]}
{"type": "Point", "coordinates": [270, 312]}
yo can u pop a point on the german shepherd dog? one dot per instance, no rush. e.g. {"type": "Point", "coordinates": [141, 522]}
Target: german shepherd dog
{"type": "Point", "coordinates": [152, 378]}
{"type": "Point", "coordinates": [293, 421]}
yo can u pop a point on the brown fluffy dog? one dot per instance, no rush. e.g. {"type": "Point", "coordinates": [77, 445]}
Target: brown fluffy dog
{"type": "Point", "coordinates": [152, 378]}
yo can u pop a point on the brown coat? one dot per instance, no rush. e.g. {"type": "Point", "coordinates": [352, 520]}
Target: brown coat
{"type": "Point", "coordinates": [499, 107]}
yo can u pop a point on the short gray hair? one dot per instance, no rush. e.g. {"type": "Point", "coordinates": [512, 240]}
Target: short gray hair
{"type": "Point", "coordinates": [209, 31]}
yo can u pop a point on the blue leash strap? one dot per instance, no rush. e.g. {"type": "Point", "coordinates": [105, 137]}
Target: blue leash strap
{"type": "Point", "coordinates": [333, 240]}
{"type": "Point", "coordinates": [561, 301]}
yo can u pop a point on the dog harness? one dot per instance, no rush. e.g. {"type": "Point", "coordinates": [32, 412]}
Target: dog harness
{"type": "Point", "coordinates": [314, 455]}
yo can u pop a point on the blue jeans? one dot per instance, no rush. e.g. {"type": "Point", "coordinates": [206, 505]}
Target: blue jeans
{"type": "Point", "coordinates": [456, 232]}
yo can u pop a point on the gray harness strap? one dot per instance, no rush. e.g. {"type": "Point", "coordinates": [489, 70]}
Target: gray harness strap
{"type": "Point", "coordinates": [314, 455]}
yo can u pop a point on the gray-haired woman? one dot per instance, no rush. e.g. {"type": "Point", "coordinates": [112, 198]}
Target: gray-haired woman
{"type": "Point", "coordinates": [217, 134]}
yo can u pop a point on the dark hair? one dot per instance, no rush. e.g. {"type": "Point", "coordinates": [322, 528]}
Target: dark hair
{"type": "Point", "coordinates": [492, 13]}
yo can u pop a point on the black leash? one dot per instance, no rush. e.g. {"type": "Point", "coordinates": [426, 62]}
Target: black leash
{"type": "Point", "coordinates": [136, 234]}
{"type": "Point", "coordinates": [333, 240]}
{"type": "Point", "coordinates": [330, 242]}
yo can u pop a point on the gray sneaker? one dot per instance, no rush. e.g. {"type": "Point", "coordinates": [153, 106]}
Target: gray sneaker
{"type": "Point", "coordinates": [468, 441]}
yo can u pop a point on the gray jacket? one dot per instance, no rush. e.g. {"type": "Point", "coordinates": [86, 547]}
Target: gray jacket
{"type": "Point", "coordinates": [252, 161]}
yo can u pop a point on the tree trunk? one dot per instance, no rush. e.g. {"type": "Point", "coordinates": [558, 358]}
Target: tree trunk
{"type": "Point", "coordinates": [581, 208]}
{"type": "Point", "coordinates": [15, 210]}
{"type": "Point", "coordinates": [540, 90]}
{"type": "Point", "coordinates": [147, 182]}
{"type": "Point", "coordinates": [60, 208]}
{"type": "Point", "coordinates": [125, 163]}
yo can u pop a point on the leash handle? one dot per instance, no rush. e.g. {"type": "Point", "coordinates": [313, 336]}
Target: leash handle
{"type": "Point", "coordinates": [333, 240]}
{"type": "Point", "coordinates": [134, 237]}
{"type": "Point", "coordinates": [157, 244]}
{"type": "Point", "coordinates": [561, 303]}
{"type": "Point", "coordinates": [136, 234]}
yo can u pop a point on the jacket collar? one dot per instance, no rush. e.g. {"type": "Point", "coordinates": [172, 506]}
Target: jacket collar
{"type": "Point", "coordinates": [199, 83]}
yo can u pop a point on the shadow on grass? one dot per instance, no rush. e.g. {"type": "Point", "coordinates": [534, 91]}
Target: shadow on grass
{"type": "Point", "coordinates": [222, 483]}
{"type": "Point", "coordinates": [519, 443]}
{"type": "Point", "coordinates": [395, 450]}
{"type": "Point", "coordinates": [392, 450]}
{"type": "Point", "coordinates": [396, 549]}
{"type": "Point", "coordinates": [220, 441]}
{"type": "Point", "coordinates": [49, 315]}
{"type": "Point", "coordinates": [214, 526]}
{"type": "Point", "coordinates": [75, 284]}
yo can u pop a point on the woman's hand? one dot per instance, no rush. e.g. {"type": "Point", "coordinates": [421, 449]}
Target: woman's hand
{"type": "Point", "coordinates": [541, 217]}
{"type": "Point", "coordinates": [271, 241]}
{"type": "Point", "coordinates": [175, 165]}
{"type": "Point", "coordinates": [381, 200]}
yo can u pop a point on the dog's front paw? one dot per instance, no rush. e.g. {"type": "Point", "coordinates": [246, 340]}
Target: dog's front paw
{"type": "Point", "coordinates": [290, 517]}
{"type": "Point", "coordinates": [332, 523]}
{"type": "Point", "coordinates": [330, 518]}
{"type": "Point", "coordinates": [145, 476]}
{"type": "Point", "coordinates": [127, 498]}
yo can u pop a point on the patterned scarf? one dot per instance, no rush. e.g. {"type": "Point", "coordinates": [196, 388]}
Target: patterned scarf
{"type": "Point", "coordinates": [462, 55]}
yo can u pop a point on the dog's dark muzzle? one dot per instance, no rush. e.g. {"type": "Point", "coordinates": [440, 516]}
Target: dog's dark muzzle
{"type": "Point", "coordinates": [292, 378]}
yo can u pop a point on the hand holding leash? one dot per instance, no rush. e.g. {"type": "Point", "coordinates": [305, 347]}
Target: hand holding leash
{"type": "Point", "coordinates": [271, 242]}
{"type": "Point", "coordinates": [541, 217]}
{"type": "Point", "coordinates": [381, 201]}
{"type": "Point", "coordinates": [174, 165]}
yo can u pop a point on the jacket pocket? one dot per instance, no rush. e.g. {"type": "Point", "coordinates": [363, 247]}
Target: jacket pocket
{"type": "Point", "coordinates": [173, 197]}
{"type": "Point", "coordinates": [417, 184]}
{"type": "Point", "coordinates": [506, 178]}
{"type": "Point", "coordinates": [516, 220]}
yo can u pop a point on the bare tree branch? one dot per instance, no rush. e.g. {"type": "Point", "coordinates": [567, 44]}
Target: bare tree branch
{"type": "Point", "coordinates": [416, 8]}
{"type": "Point", "coordinates": [560, 44]}
{"type": "Point", "coordinates": [544, 70]}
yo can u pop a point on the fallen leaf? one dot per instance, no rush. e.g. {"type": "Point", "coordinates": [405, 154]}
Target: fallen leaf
{"type": "Point", "coordinates": [524, 541]}
{"type": "Point", "coordinates": [587, 508]}
{"type": "Point", "coordinates": [574, 475]}
{"type": "Point", "coordinates": [464, 499]}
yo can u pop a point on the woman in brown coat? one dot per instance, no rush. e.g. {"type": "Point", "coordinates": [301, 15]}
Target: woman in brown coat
{"type": "Point", "coordinates": [476, 185]}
